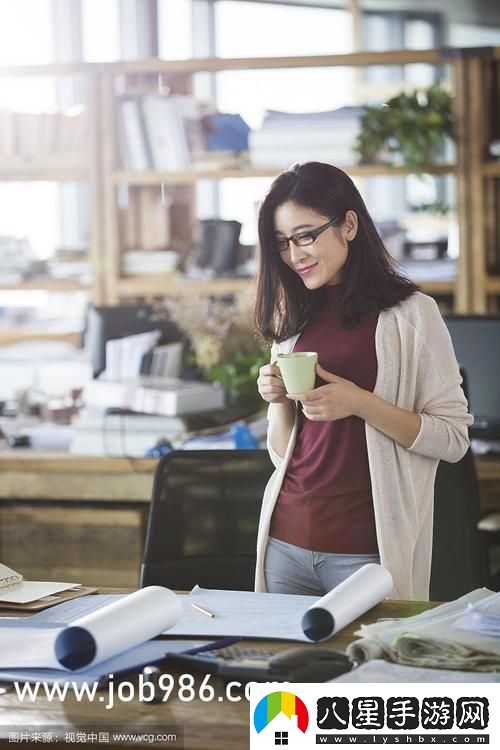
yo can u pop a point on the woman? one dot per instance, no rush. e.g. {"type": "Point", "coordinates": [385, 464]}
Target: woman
{"type": "Point", "coordinates": [356, 457]}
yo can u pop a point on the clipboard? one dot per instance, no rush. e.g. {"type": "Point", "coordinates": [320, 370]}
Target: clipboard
{"type": "Point", "coordinates": [48, 601]}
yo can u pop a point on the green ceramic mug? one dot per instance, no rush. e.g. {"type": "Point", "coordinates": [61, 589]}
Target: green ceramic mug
{"type": "Point", "coordinates": [298, 370]}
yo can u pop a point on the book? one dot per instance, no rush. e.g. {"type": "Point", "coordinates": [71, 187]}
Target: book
{"type": "Point", "coordinates": [167, 396]}
{"type": "Point", "coordinates": [166, 133]}
{"type": "Point", "coordinates": [135, 154]}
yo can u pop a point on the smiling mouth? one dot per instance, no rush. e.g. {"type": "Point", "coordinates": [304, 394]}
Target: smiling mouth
{"type": "Point", "coordinates": [306, 269]}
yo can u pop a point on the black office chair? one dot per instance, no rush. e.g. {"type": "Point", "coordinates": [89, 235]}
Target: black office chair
{"type": "Point", "coordinates": [203, 519]}
{"type": "Point", "coordinates": [459, 556]}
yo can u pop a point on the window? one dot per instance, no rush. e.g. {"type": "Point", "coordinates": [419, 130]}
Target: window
{"type": "Point", "coordinates": [175, 39]}
{"type": "Point", "coordinates": [100, 30]}
{"type": "Point", "coordinates": [23, 42]}
{"type": "Point", "coordinates": [396, 30]}
{"type": "Point", "coordinates": [389, 197]}
{"type": "Point", "coordinates": [260, 30]}
{"type": "Point", "coordinates": [257, 30]}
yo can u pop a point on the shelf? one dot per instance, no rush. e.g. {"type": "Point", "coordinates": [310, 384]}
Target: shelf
{"type": "Point", "coordinates": [54, 69]}
{"type": "Point", "coordinates": [188, 177]}
{"type": "Point", "coordinates": [493, 284]}
{"type": "Point", "coordinates": [57, 170]}
{"type": "Point", "coordinates": [157, 286]}
{"type": "Point", "coordinates": [216, 64]}
{"type": "Point", "coordinates": [437, 287]}
{"type": "Point", "coordinates": [48, 285]}
{"type": "Point", "coordinates": [491, 169]}
{"type": "Point", "coordinates": [15, 335]}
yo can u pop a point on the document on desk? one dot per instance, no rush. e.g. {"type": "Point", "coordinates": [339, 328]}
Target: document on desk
{"type": "Point", "coordinates": [243, 613]}
{"type": "Point", "coordinates": [250, 614]}
{"type": "Point", "coordinates": [89, 639]}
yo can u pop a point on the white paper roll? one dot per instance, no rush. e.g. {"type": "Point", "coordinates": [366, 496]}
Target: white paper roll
{"type": "Point", "coordinates": [111, 630]}
{"type": "Point", "coordinates": [363, 650]}
{"type": "Point", "coordinates": [350, 599]}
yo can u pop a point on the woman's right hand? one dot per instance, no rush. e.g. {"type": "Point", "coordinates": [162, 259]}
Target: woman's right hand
{"type": "Point", "coordinates": [270, 385]}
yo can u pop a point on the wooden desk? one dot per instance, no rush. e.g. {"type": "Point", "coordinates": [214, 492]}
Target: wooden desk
{"type": "Point", "coordinates": [79, 518]}
{"type": "Point", "coordinates": [217, 725]}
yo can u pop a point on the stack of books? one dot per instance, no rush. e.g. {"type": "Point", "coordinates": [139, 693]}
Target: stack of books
{"type": "Point", "coordinates": [168, 397]}
{"type": "Point", "coordinates": [43, 135]}
{"type": "Point", "coordinates": [149, 262]}
{"type": "Point", "coordinates": [287, 137]}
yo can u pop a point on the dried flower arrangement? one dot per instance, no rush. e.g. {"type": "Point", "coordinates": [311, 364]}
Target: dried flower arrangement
{"type": "Point", "coordinates": [224, 345]}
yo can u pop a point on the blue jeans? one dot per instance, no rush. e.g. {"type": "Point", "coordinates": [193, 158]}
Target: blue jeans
{"type": "Point", "coordinates": [293, 570]}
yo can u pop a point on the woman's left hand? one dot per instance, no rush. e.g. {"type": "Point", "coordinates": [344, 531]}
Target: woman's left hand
{"type": "Point", "coordinates": [335, 400]}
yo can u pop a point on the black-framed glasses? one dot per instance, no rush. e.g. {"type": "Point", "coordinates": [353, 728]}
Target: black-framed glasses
{"type": "Point", "coordinates": [300, 239]}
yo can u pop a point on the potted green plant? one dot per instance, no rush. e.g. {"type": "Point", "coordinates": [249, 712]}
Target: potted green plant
{"type": "Point", "coordinates": [408, 130]}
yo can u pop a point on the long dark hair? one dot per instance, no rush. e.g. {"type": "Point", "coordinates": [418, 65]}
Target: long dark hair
{"type": "Point", "coordinates": [370, 281]}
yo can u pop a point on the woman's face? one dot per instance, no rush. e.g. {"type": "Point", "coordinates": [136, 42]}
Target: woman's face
{"type": "Point", "coordinates": [321, 262]}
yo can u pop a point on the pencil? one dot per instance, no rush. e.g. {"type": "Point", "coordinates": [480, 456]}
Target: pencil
{"type": "Point", "coordinates": [202, 610]}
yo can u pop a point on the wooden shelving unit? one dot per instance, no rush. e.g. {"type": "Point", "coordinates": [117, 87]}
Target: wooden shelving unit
{"type": "Point", "coordinates": [478, 119]}
{"type": "Point", "coordinates": [179, 75]}
{"type": "Point", "coordinates": [60, 167]}
{"type": "Point", "coordinates": [475, 80]}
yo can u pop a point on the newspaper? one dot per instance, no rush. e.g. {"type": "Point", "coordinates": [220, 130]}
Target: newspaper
{"type": "Point", "coordinates": [436, 638]}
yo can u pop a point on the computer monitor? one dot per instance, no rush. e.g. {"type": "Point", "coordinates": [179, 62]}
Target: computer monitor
{"type": "Point", "coordinates": [106, 323]}
{"type": "Point", "coordinates": [476, 340]}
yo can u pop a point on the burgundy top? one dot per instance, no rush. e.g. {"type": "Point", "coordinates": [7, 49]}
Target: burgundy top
{"type": "Point", "coordinates": [325, 502]}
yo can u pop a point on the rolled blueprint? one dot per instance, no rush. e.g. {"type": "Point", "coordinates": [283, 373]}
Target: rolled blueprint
{"type": "Point", "coordinates": [117, 627]}
{"type": "Point", "coordinates": [360, 592]}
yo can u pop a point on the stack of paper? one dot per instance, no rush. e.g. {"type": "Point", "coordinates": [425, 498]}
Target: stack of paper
{"type": "Point", "coordinates": [287, 137]}
{"type": "Point", "coordinates": [16, 593]}
{"type": "Point", "coordinates": [482, 618]}
{"type": "Point", "coordinates": [149, 395]}
{"type": "Point", "coordinates": [436, 638]}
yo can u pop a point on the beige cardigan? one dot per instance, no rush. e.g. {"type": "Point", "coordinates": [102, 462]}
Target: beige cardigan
{"type": "Point", "coordinates": [417, 371]}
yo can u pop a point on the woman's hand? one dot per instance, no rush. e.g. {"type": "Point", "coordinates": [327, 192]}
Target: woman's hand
{"type": "Point", "coordinates": [335, 400]}
{"type": "Point", "coordinates": [270, 385]}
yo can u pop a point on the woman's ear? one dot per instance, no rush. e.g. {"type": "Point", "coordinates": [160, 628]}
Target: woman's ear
{"type": "Point", "coordinates": [350, 225]}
